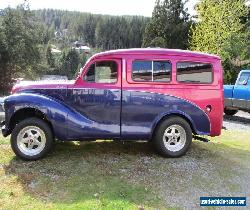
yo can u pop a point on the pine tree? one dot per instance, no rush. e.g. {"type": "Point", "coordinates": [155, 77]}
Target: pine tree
{"type": "Point", "coordinates": [69, 63]}
{"type": "Point", "coordinates": [169, 25]}
{"type": "Point", "coordinates": [49, 57]}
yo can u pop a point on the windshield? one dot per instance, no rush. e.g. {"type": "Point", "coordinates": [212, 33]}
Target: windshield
{"type": "Point", "coordinates": [244, 78]}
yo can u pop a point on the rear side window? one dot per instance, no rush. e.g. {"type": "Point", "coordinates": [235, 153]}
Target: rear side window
{"type": "Point", "coordinates": [194, 72]}
{"type": "Point", "coordinates": [151, 71]}
{"type": "Point", "coordinates": [102, 72]}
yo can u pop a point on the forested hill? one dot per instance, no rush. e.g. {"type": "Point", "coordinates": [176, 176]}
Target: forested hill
{"type": "Point", "coordinates": [99, 31]}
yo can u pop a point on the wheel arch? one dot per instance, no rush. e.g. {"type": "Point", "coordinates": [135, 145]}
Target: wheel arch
{"type": "Point", "coordinates": [49, 109]}
{"type": "Point", "coordinates": [170, 115]}
{"type": "Point", "coordinates": [28, 112]}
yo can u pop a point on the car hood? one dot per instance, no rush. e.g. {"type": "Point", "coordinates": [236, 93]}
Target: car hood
{"type": "Point", "coordinates": [49, 84]}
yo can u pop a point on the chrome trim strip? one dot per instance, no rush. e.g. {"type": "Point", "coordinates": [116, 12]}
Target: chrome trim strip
{"type": "Point", "coordinates": [239, 99]}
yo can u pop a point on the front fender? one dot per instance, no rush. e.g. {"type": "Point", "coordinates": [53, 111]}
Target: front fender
{"type": "Point", "coordinates": [56, 111]}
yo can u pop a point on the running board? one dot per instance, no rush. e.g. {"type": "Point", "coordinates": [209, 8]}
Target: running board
{"type": "Point", "coordinates": [199, 138]}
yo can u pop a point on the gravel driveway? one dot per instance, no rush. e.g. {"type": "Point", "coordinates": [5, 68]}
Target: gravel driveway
{"type": "Point", "coordinates": [240, 121]}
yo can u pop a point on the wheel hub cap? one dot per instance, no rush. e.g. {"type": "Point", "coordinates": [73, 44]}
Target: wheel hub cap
{"type": "Point", "coordinates": [174, 138]}
{"type": "Point", "coordinates": [31, 140]}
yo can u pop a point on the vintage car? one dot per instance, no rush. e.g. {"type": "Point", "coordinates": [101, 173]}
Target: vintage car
{"type": "Point", "coordinates": [159, 95]}
{"type": "Point", "coordinates": [237, 97]}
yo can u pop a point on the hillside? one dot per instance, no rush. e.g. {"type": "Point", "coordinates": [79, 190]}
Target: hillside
{"type": "Point", "coordinates": [99, 31]}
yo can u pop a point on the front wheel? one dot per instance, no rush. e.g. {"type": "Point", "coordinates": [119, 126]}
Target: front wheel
{"type": "Point", "coordinates": [173, 137]}
{"type": "Point", "coordinates": [31, 139]}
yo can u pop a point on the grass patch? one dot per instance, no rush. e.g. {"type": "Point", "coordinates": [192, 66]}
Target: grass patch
{"type": "Point", "coordinates": [112, 175]}
{"type": "Point", "coordinates": [4, 140]}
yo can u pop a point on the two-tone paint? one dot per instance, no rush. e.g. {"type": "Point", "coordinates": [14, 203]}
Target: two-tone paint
{"type": "Point", "coordinates": [125, 110]}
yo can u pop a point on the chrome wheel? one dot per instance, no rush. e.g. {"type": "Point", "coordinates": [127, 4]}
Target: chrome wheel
{"type": "Point", "coordinates": [31, 140]}
{"type": "Point", "coordinates": [174, 138]}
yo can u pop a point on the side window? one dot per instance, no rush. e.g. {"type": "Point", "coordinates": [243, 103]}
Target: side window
{"type": "Point", "coordinates": [244, 78]}
{"type": "Point", "coordinates": [142, 70]}
{"type": "Point", "coordinates": [194, 72]}
{"type": "Point", "coordinates": [151, 71]}
{"type": "Point", "coordinates": [102, 72]}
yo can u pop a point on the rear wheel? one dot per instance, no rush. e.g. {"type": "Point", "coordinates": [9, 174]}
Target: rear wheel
{"type": "Point", "coordinates": [230, 112]}
{"type": "Point", "coordinates": [31, 139]}
{"type": "Point", "coordinates": [173, 137]}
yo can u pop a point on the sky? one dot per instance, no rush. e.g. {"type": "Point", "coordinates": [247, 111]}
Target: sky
{"type": "Point", "coordinates": [111, 7]}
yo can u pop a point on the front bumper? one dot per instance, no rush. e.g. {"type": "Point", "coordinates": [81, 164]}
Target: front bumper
{"type": "Point", "coordinates": [5, 132]}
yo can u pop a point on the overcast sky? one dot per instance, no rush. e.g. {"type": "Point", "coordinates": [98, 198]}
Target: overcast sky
{"type": "Point", "coordinates": [112, 7]}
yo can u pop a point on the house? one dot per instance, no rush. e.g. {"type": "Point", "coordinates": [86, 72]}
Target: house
{"type": "Point", "coordinates": [80, 47]}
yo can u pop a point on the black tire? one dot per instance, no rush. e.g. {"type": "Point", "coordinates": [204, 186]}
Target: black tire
{"type": "Point", "coordinates": [39, 124]}
{"type": "Point", "coordinates": [159, 143]}
{"type": "Point", "coordinates": [230, 112]}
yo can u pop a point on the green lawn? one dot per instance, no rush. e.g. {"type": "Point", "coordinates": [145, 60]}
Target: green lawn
{"type": "Point", "coordinates": [112, 175]}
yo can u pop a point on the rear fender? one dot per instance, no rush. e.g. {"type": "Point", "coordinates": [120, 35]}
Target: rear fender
{"type": "Point", "coordinates": [186, 117]}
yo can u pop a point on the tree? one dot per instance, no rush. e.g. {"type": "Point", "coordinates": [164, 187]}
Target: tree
{"type": "Point", "coordinates": [89, 27]}
{"type": "Point", "coordinates": [20, 41]}
{"type": "Point", "coordinates": [4, 64]}
{"type": "Point", "coordinates": [169, 25]}
{"type": "Point", "coordinates": [157, 42]}
{"type": "Point", "coordinates": [221, 31]}
{"type": "Point", "coordinates": [69, 63]}
{"type": "Point", "coordinates": [49, 57]}
{"type": "Point", "coordinates": [101, 31]}
{"type": "Point", "coordinates": [23, 39]}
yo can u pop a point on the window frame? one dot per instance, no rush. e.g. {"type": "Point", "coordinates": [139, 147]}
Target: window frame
{"type": "Point", "coordinates": [152, 71]}
{"type": "Point", "coordinates": [101, 83]}
{"type": "Point", "coordinates": [194, 83]}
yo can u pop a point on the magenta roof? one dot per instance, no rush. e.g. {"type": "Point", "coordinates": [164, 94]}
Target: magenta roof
{"type": "Point", "coordinates": [156, 51]}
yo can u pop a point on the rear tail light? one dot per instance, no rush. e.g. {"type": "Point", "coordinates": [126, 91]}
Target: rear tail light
{"type": "Point", "coordinates": [208, 108]}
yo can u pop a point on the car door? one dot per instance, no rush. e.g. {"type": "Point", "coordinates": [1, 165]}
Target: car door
{"type": "Point", "coordinates": [96, 97]}
{"type": "Point", "coordinates": [241, 91]}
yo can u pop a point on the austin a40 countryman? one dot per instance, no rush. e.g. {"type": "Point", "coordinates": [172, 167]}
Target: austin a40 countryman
{"type": "Point", "coordinates": [165, 96]}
